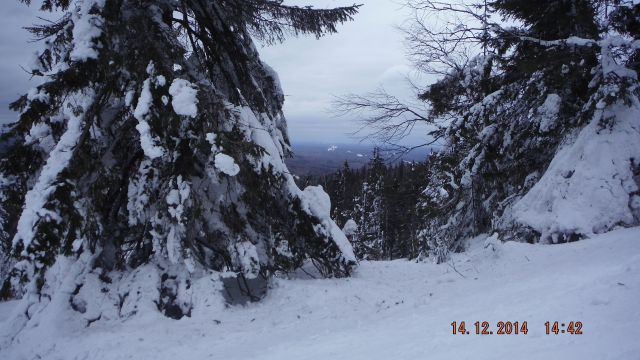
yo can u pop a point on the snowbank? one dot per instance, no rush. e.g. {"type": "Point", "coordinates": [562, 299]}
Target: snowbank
{"type": "Point", "coordinates": [389, 310]}
{"type": "Point", "coordinates": [588, 185]}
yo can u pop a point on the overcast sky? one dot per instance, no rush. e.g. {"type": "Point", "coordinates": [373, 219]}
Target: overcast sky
{"type": "Point", "coordinates": [14, 51]}
{"type": "Point", "coordinates": [366, 54]}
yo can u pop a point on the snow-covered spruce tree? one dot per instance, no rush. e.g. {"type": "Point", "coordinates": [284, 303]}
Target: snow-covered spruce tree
{"type": "Point", "coordinates": [530, 147]}
{"type": "Point", "coordinates": [151, 155]}
{"type": "Point", "coordinates": [538, 121]}
{"type": "Point", "coordinates": [338, 194]}
{"type": "Point", "coordinates": [369, 212]}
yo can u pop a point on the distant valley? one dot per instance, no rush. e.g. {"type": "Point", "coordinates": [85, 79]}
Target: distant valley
{"type": "Point", "coordinates": [318, 159]}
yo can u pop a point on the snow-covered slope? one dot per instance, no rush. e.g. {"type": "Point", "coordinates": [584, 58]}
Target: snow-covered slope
{"type": "Point", "coordinates": [591, 185]}
{"type": "Point", "coordinates": [396, 310]}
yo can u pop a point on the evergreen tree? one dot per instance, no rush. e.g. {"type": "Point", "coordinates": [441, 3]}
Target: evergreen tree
{"type": "Point", "coordinates": [155, 145]}
{"type": "Point", "coordinates": [531, 95]}
{"type": "Point", "coordinates": [370, 213]}
{"type": "Point", "coordinates": [519, 112]}
{"type": "Point", "coordinates": [338, 190]}
{"type": "Point", "coordinates": [393, 215]}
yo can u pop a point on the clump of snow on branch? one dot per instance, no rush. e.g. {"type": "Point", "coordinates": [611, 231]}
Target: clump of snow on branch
{"type": "Point", "coordinates": [316, 202]}
{"type": "Point", "coordinates": [549, 112]}
{"type": "Point", "coordinates": [137, 195]}
{"type": "Point", "coordinates": [226, 164]}
{"type": "Point", "coordinates": [177, 201]}
{"type": "Point", "coordinates": [36, 94]}
{"type": "Point", "coordinates": [147, 141]}
{"type": "Point", "coordinates": [184, 98]}
{"type": "Point", "coordinates": [86, 29]}
{"type": "Point", "coordinates": [40, 133]}
{"type": "Point", "coordinates": [246, 256]}
{"type": "Point", "coordinates": [350, 228]}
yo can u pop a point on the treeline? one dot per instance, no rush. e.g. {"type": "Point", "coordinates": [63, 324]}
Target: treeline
{"type": "Point", "coordinates": [376, 205]}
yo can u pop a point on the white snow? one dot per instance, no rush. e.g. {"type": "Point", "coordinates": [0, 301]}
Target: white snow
{"type": "Point", "coordinates": [211, 138]}
{"type": "Point", "coordinates": [185, 97]}
{"type": "Point", "coordinates": [86, 28]}
{"type": "Point", "coordinates": [147, 140]}
{"type": "Point", "coordinates": [246, 256]}
{"type": "Point", "coordinates": [332, 148]}
{"type": "Point", "coordinates": [264, 132]}
{"type": "Point", "coordinates": [177, 201]}
{"type": "Point", "coordinates": [549, 112]}
{"type": "Point", "coordinates": [41, 133]}
{"type": "Point", "coordinates": [350, 227]}
{"type": "Point", "coordinates": [588, 185]}
{"type": "Point", "coordinates": [144, 102]}
{"type": "Point", "coordinates": [226, 164]}
{"type": "Point", "coordinates": [137, 196]}
{"type": "Point", "coordinates": [58, 159]}
{"type": "Point", "coordinates": [316, 202]}
{"type": "Point", "coordinates": [487, 102]}
{"type": "Point", "coordinates": [319, 200]}
{"type": "Point", "coordinates": [128, 98]}
{"type": "Point", "coordinates": [389, 310]}
{"type": "Point", "coordinates": [36, 94]}
{"type": "Point", "coordinates": [161, 80]}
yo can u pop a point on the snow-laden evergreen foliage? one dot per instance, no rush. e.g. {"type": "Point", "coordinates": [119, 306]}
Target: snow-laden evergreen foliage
{"type": "Point", "coordinates": [152, 155]}
{"type": "Point", "coordinates": [369, 214]}
{"type": "Point", "coordinates": [543, 138]}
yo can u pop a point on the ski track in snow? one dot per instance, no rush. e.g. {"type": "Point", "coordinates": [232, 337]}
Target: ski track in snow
{"type": "Point", "coordinates": [397, 310]}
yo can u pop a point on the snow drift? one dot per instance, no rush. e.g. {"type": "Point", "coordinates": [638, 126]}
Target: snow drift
{"type": "Point", "coordinates": [592, 184]}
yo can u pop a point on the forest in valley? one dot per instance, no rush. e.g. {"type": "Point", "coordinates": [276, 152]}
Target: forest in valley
{"type": "Point", "coordinates": [376, 206]}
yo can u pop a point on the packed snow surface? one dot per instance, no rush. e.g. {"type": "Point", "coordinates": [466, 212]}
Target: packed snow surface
{"type": "Point", "coordinates": [392, 310]}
